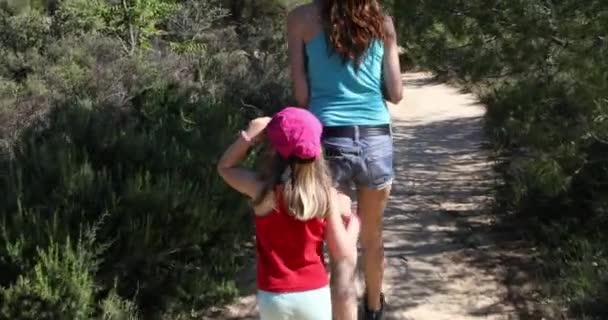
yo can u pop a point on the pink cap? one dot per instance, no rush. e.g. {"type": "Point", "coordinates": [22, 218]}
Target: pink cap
{"type": "Point", "coordinates": [295, 132]}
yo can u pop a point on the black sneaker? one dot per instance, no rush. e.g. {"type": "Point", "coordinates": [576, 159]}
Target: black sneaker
{"type": "Point", "coordinates": [373, 314]}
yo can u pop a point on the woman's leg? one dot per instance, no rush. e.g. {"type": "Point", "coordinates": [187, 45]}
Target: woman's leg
{"type": "Point", "coordinates": [368, 162]}
{"type": "Point", "coordinates": [342, 155]}
{"type": "Point", "coordinates": [371, 205]}
{"type": "Point", "coordinates": [374, 186]}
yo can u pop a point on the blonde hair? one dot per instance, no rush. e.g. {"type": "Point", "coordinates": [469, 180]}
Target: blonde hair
{"type": "Point", "coordinates": [305, 186]}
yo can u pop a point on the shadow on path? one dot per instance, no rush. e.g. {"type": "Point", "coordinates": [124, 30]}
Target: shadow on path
{"type": "Point", "coordinates": [445, 258]}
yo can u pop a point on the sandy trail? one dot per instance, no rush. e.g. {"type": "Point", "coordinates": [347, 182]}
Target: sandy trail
{"type": "Point", "coordinates": [443, 188]}
{"type": "Point", "coordinates": [439, 265]}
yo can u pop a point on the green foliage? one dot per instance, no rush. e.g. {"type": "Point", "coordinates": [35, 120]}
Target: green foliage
{"type": "Point", "coordinates": [168, 212]}
{"type": "Point", "coordinates": [81, 16]}
{"type": "Point", "coordinates": [21, 5]}
{"type": "Point", "coordinates": [20, 32]}
{"type": "Point", "coordinates": [136, 22]}
{"type": "Point", "coordinates": [541, 67]}
{"type": "Point", "coordinates": [116, 308]}
{"type": "Point", "coordinates": [93, 124]}
{"type": "Point", "coordinates": [60, 285]}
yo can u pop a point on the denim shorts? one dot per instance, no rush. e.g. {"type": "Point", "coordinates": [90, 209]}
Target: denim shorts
{"type": "Point", "coordinates": [304, 305]}
{"type": "Point", "coordinates": [361, 161]}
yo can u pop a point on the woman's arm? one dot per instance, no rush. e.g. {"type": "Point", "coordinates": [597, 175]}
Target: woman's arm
{"type": "Point", "coordinates": [393, 86]}
{"type": "Point", "coordinates": [297, 59]}
{"type": "Point", "coordinates": [242, 179]}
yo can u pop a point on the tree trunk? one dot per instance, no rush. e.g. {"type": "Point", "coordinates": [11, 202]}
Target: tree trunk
{"type": "Point", "coordinates": [236, 10]}
{"type": "Point", "coordinates": [132, 38]}
{"type": "Point", "coordinates": [51, 6]}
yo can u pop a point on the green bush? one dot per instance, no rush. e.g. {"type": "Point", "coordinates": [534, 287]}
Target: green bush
{"type": "Point", "coordinates": [91, 130]}
{"type": "Point", "coordinates": [60, 284]}
{"type": "Point", "coordinates": [169, 215]}
{"type": "Point", "coordinates": [540, 66]}
{"type": "Point", "coordinates": [113, 307]}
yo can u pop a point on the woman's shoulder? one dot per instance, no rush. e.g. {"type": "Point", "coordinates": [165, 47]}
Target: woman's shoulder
{"type": "Point", "coordinates": [303, 14]}
{"type": "Point", "coordinates": [303, 9]}
{"type": "Point", "coordinates": [304, 22]}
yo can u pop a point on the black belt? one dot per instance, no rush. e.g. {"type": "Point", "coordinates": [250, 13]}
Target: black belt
{"type": "Point", "coordinates": [351, 131]}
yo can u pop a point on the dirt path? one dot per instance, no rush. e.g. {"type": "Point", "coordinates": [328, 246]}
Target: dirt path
{"type": "Point", "coordinates": [440, 263]}
{"type": "Point", "coordinates": [443, 189]}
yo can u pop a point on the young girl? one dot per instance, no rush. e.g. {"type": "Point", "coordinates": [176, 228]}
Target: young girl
{"type": "Point", "coordinates": [296, 210]}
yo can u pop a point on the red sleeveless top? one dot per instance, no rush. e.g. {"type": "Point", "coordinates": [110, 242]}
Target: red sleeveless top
{"type": "Point", "coordinates": [290, 252]}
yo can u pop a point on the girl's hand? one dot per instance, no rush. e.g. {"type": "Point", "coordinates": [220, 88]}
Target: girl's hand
{"type": "Point", "coordinates": [256, 127]}
{"type": "Point", "coordinates": [353, 227]}
{"type": "Point", "coordinates": [350, 217]}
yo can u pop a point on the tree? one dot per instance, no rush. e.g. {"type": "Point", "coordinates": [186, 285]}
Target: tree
{"type": "Point", "coordinates": [136, 22]}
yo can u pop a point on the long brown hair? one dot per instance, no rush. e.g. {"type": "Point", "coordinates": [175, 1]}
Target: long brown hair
{"type": "Point", "coordinates": [305, 186]}
{"type": "Point", "coordinates": [352, 25]}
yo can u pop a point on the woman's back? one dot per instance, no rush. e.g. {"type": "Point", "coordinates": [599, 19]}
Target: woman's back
{"type": "Point", "coordinates": [342, 93]}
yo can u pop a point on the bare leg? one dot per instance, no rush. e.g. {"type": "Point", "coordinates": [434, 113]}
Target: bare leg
{"type": "Point", "coordinates": [343, 291]}
{"type": "Point", "coordinates": [371, 205]}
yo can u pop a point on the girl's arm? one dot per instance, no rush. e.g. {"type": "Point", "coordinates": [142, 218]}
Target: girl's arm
{"type": "Point", "coordinates": [242, 179]}
{"type": "Point", "coordinates": [341, 240]}
{"type": "Point", "coordinates": [297, 59]}
{"type": "Point", "coordinates": [342, 245]}
{"type": "Point", "coordinates": [393, 85]}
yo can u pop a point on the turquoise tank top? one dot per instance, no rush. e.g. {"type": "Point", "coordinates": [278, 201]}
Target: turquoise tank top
{"type": "Point", "coordinates": [340, 94]}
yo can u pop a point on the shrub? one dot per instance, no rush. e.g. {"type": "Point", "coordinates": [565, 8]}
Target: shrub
{"type": "Point", "coordinates": [113, 307]}
{"type": "Point", "coordinates": [93, 130]}
{"type": "Point", "coordinates": [543, 67]}
{"type": "Point", "coordinates": [59, 286]}
{"type": "Point", "coordinates": [168, 212]}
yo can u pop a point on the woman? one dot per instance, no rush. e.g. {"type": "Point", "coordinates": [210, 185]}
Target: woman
{"type": "Point", "coordinates": [344, 64]}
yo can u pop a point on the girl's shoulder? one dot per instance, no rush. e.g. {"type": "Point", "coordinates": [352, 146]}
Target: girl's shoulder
{"type": "Point", "coordinates": [271, 202]}
{"type": "Point", "coordinates": [267, 206]}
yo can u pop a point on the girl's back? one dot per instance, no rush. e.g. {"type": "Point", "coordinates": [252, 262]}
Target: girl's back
{"type": "Point", "coordinates": [290, 256]}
